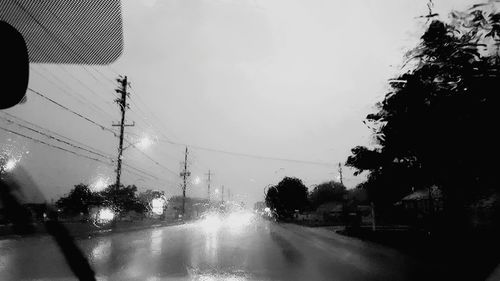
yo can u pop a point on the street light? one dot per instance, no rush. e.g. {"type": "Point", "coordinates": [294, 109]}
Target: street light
{"type": "Point", "coordinates": [7, 164]}
{"type": "Point", "coordinates": [100, 184]}
{"type": "Point", "coordinates": [143, 143]}
{"type": "Point", "coordinates": [10, 165]}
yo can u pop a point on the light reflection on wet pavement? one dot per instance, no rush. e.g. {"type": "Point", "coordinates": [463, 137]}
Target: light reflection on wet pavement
{"type": "Point", "coordinates": [237, 247]}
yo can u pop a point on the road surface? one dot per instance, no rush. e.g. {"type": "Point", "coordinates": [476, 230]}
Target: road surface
{"type": "Point", "coordinates": [239, 247]}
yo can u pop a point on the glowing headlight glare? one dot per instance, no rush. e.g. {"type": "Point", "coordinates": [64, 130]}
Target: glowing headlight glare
{"type": "Point", "coordinates": [145, 142]}
{"type": "Point", "coordinates": [10, 165]}
{"type": "Point", "coordinates": [100, 184]}
{"type": "Point", "coordinates": [105, 215]}
{"type": "Point", "coordinates": [157, 206]}
{"type": "Point", "coordinates": [239, 219]}
{"type": "Point", "coordinates": [211, 223]}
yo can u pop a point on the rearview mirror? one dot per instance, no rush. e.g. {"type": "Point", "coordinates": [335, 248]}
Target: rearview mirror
{"type": "Point", "coordinates": [14, 66]}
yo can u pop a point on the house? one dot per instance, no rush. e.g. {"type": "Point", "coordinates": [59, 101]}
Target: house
{"type": "Point", "coordinates": [365, 212]}
{"type": "Point", "coordinates": [331, 211]}
{"type": "Point", "coordinates": [259, 206]}
{"type": "Point", "coordinates": [193, 207]}
{"type": "Point", "coordinates": [484, 213]}
{"type": "Point", "coordinates": [308, 216]}
{"type": "Point", "coordinates": [423, 201]}
{"type": "Point", "coordinates": [38, 210]}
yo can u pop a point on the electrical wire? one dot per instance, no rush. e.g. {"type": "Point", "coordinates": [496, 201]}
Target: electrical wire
{"type": "Point", "coordinates": [72, 111]}
{"type": "Point", "coordinates": [53, 146]}
{"type": "Point", "coordinates": [55, 138]}
{"type": "Point", "coordinates": [111, 161]}
{"type": "Point", "coordinates": [55, 133]}
{"type": "Point", "coordinates": [103, 128]}
{"type": "Point", "coordinates": [249, 155]}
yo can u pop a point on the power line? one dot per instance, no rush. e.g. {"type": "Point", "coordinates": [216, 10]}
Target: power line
{"type": "Point", "coordinates": [55, 138]}
{"type": "Point", "coordinates": [176, 143]}
{"type": "Point", "coordinates": [250, 155]}
{"type": "Point", "coordinates": [152, 178]}
{"type": "Point", "coordinates": [55, 133]}
{"type": "Point", "coordinates": [144, 117]}
{"type": "Point", "coordinates": [87, 87]}
{"type": "Point", "coordinates": [122, 102]}
{"type": "Point", "coordinates": [78, 154]}
{"type": "Point", "coordinates": [168, 140]}
{"type": "Point", "coordinates": [152, 115]}
{"type": "Point", "coordinates": [89, 149]}
{"type": "Point", "coordinates": [75, 78]}
{"type": "Point", "coordinates": [72, 111]}
{"type": "Point", "coordinates": [100, 126]}
{"type": "Point", "coordinates": [152, 160]}
{"type": "Point", "coordinates": [53, 146]}
{"type": "Point", "coordinates": [146, 173]}
{"type": "Point", "coordinates": [64, 45]}
{"type": "Point", "coordinates": [138, 136]}
{"type": "Point", "coordinates": [61, 43]}
{"type": "Point", "coordinates": [82, 100]}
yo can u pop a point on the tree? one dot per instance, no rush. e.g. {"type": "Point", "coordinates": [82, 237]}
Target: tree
{"type": "Point", "coordinates": [123, 199]}
{"type": "Point", "coordinates": [434, 127]}
{"type": "Point", "coordinates": [146, 198]}
{"type": "Point", "coordinates": [331, 191]}
{"type": "Point", "coordinates": [289, 195]}
{"type": "Point", "coordinates": [272, 199]}
{"type": "Point", "coordinates": [79, 199]}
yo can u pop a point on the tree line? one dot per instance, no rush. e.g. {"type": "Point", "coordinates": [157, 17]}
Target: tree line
{"type": "Point", "coordinates": [290, 196]}
{"type": "Point", "coordinates": [436, 125]}
{"type": "Point", "coordinates": [121, 199]}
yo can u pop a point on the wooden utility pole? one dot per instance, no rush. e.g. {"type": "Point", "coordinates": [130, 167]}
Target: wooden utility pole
{"type": "Point", "coordinates": [374, 223]}
{"type": "Point", "coordinates": [340, 173]}
{"type": "Point", "coordinates": [122, 103]}
{"type": "Point", "coordinates": [184, 174]}
{"type": "Point", "coordinates": [209, 179]}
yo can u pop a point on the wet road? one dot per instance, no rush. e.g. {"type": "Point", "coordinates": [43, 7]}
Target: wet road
{"type": "Point", "coordinates": [240, 247]}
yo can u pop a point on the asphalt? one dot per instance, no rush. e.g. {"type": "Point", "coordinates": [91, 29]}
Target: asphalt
{"type": "Point", "coordinates": [239, 247]}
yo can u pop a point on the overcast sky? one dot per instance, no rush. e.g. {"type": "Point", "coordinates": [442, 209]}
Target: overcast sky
{"type": "Point", "coordinates": [279, 78]}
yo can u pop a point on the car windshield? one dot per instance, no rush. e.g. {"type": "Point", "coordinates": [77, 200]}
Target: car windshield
{"type": "Point", "coordinates": [249, 140]}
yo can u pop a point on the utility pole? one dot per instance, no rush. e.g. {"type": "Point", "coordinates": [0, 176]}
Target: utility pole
{"type": "Point", "coordinates": [122, 103]}
{"type": "Point", "coordinates": [222, 195]}
{"type": "Point", "coordinates": [184, 174]}
{"type": "Point", "coordinates": [374, 223]}
{"type": "Point", "coordinates": [340, 173]}
{"type": "Point", "coordinates": [209, 179]}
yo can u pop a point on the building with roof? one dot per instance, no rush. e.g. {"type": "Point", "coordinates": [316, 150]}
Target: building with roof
{"type": "Point", "coordinates": [423, 201]}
